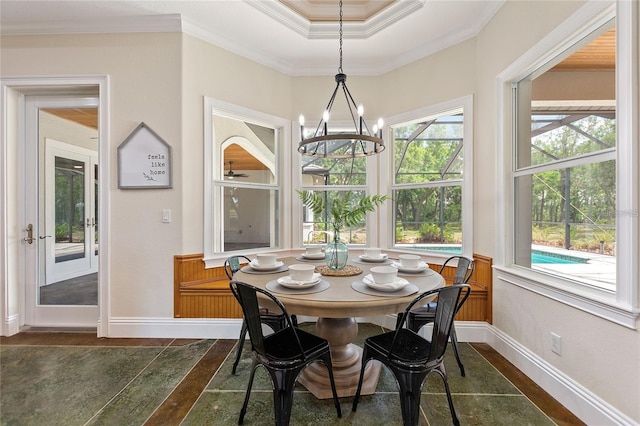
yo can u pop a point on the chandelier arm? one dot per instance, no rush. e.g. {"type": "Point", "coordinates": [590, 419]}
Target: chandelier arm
{"type": "Point", "coordinates": [351, 105]}
{"type": "Point", "coordinates": [329, 106]}
{"type": "Point", "coordinates": [349, 97]}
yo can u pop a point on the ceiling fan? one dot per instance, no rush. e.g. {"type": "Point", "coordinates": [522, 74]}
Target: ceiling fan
{"type": "Point", "coordinates": [231, 174]}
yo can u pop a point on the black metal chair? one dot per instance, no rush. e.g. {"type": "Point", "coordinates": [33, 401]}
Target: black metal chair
{"type": "Point", "coordinates": [410, 357]}
{"type": "Point", "coordinates": [423, 315]}
{"type": "Point", "coordinates": [284, 354]}
{"type": "Point", "coordinates": [275, 320]}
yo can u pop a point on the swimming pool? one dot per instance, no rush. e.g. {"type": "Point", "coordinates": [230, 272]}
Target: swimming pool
{"type": "Point", "coordinates": [538, 256]}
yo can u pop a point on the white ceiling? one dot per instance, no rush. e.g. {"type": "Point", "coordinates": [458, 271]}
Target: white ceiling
{"type": "Point", "coordinates": [267, 31]}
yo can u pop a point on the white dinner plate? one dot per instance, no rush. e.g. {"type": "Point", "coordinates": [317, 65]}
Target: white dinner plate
{"type": "Point", "coordinates": [259, 267]}
{"type": "Point", "coordinates": [291, 283]}
{"type": "Point", "coordinates": [421, 267]}
{"type": "Point", "coordinates": [396, 285]}
{"type": "Point", "coordinates": [313, 256]}
{"type": "Point", "coordinates": [366, 258]}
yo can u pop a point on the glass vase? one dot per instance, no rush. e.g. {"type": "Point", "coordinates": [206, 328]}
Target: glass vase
{"type": "Point", "coordinates": [336, 253]}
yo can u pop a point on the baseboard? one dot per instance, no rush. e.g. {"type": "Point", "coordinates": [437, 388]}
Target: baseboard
{"type": "Point", "coordinates": [178, 328]}
{"type": "Point", "coordinates": [11, 325]}
{"type": "Point", "coordinates": [580, 401]}
{"type": "Point", "coordinates": [587, 406]}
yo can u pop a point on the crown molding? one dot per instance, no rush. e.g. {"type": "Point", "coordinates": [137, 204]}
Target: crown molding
{"type": "Point", "coordinates": [328, 30]}
{"type": "Point", "coordinates": [124, 24]}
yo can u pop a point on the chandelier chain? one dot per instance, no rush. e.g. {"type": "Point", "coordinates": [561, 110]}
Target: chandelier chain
{"type": "Point", "coordinates": [360, 142]}
{"type": "Point", "coordinates": [340, 67]}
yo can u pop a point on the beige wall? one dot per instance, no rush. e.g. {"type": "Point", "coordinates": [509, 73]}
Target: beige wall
{"type": "Point", "coordinates": [602, 356]}
{"type": "Point", "coordinates": [214, 72]}
{"type": "Point", "coordinates": [145, 85]}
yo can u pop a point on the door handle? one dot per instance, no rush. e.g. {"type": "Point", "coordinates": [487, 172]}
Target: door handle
{"type": "Point", "coordinates": [29, 237]}
{"type": "Point", "coordinates": [45, 236]}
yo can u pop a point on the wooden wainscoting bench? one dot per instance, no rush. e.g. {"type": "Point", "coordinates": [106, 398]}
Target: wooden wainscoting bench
{"type": "Point", "coordinates": [205, 293]}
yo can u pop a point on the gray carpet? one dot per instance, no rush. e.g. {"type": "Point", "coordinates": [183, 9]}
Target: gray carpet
{"type": "Point", "coordinates": [81, 290]}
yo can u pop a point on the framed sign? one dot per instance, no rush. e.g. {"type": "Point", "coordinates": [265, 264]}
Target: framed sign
{"type": "Point", "coordinates": [144, 160]}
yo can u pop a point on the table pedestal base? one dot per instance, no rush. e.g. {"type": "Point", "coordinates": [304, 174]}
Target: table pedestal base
{"type": "Point", "coordinates": [346, 360]}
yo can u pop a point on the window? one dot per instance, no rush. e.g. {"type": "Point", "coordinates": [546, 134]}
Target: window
{"type": "Point", "coordinates": [570, 167]}
{"type": "Point", "coordinates": [334, 178]}
{"type": "Point", "coordinates": [241, 156]}
{"type": "Point", "coordinates": [431, 181]}
{"type": "Point", "coordinates": [564, 177]}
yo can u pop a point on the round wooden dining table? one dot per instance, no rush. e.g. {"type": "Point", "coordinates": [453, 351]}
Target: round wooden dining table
{"type": "Point", "coordinates": [337, 301]}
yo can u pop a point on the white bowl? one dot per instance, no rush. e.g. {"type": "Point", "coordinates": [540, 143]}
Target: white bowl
{"type": "Point", "coordinates": [372, 252]}
{"type": "Point", "coordinates": [313, 251]}
{"type": "Point", "coordinates": [383, 274]}
{"type": "Point", "coordinates": [266, 259]}
{"type": "Point", "coordinates": [301, 272]}
{"type": "Point", "coordinates": [409, 261]}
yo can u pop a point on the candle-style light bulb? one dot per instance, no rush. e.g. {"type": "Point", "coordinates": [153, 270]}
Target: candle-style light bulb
{"type": "Point", "coordinates": [325, 118]}
{"type": "Point", "coordinates": [375, 129]}
{"type": "Point", "coordinates": [380, 124]}
{"type": "Point", "coordinates": [360, 114]}
{"type": "Point", "coordinates": [301, 121]}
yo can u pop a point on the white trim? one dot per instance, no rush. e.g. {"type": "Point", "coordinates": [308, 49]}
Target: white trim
{"type": "Point", "coordinates": [36, 85]}
{"type": "Point", "coordinates": [212, 256]}
{"type": "Point", "coordinates": [10, 325]}
{"type": "Point", "coordinates": [594, 301]}
{"type": "Point", "coordinates": [122, 24]}
{"type": "Point", "coordinates": [466, 104]}
{"type": "Point", "coordinates": [183, 328]}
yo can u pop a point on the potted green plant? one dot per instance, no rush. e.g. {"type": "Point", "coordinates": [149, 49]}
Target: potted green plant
{"type": "Point", "coordinates": [343, 211]}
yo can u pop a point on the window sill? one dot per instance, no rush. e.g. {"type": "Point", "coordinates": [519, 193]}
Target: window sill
{"type": "Point", "coordinates": [594, 301]}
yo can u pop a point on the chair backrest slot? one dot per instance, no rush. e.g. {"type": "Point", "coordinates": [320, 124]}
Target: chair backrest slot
{"type": "Point", "coordinates": [464, 269]}
{"type": "Point", "coordinates": [450, 300]}
{"type": "Point", "coordinates": [232, 265]}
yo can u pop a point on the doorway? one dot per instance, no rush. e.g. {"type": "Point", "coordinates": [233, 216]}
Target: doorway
{"type": "Point", "coordinates": [61, 172]}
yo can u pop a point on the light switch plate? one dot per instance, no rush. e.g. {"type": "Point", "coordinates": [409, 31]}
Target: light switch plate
{"type": "Point", "coordinates": [166, 216]}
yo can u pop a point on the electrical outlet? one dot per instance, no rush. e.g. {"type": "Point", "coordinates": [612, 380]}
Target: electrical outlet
{"type": "Point", "coordinates": [556, 344]}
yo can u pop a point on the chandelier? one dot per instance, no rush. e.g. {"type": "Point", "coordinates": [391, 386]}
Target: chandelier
{"type": "Point", "coordinates": [358, 141]}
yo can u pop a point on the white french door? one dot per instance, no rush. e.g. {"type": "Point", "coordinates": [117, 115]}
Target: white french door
{"type": "Point", "coordinates": [61, 183]}
{"type": "Point", "coordinates": [71, 244]}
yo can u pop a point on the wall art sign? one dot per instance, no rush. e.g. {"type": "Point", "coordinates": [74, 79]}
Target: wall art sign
{"type": "Point", "coordinates": [144, 160]}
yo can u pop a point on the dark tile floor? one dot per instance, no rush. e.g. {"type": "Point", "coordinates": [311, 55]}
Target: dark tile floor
{"type": "Point", "coordinates": [77, 379]}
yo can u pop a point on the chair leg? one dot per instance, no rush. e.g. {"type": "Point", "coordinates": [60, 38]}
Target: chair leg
{"type": "Point", "coordinates": [283, 384]}
{"type": "Point", "coordinates": [327, 361]}
{"type": "Point", "coordinates": [398, 320]}
{"type": "Point", "coordinates": [243, 411]}
{"type": "Point", "coordinates": [356, 398]}
{"type": "Point", "coordinates": [443, 374]}
{"type": "Point", "coordinates": [243, 333]}
{"type": "Point", "coordinates": [410, 387]}
{"type": "Point", "coordinates": [454, 343]}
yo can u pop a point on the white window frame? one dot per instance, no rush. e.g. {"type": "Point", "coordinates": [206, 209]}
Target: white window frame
{"type": "Point", "coordinates": [213, 223]}
{"type": "Point", "coordinates": [622, 306]}
{"type": "Point", "coordinates": [465, 104]}
{"type": "Point", "coordinates": [370, 188]}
